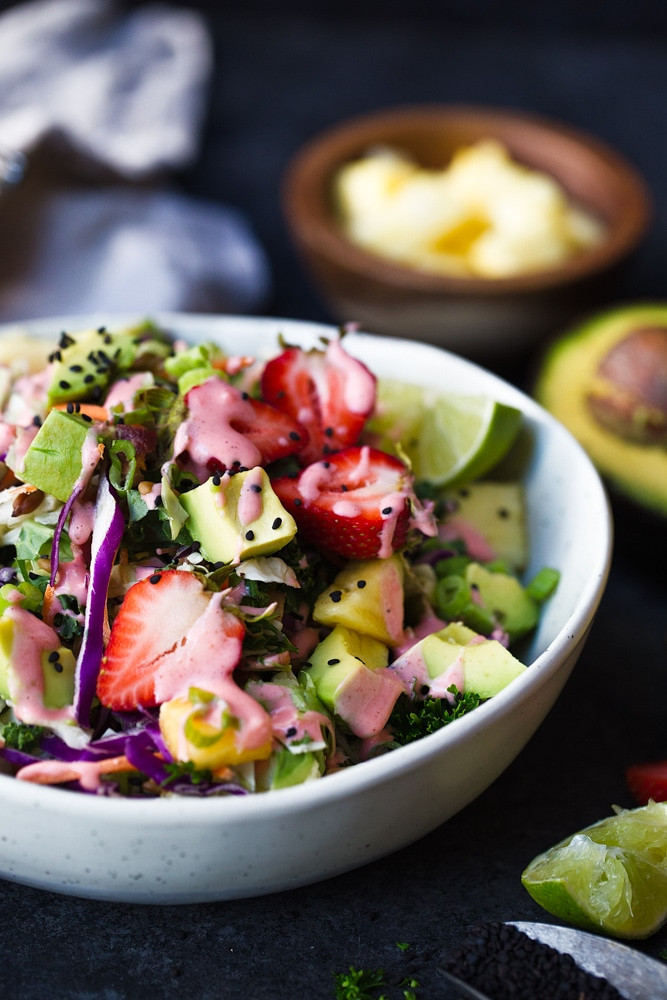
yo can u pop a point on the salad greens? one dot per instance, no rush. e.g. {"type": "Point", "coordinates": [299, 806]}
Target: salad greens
{"type": "Point", "coordinates": [214, 582]}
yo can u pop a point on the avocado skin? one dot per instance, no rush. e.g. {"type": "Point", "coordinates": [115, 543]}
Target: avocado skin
{"type": "Point", "coordinates": [636, 471]}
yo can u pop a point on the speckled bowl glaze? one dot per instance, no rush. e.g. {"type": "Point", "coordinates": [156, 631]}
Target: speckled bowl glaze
{"type": "Point", "coordinates": [177, 850]}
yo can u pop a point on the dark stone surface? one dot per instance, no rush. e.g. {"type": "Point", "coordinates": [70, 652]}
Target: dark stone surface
{"type": "Point", "coordinates": [280, 77]}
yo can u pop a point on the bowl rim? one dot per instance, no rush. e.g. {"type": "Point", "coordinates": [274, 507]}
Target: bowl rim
{"type": "Point", "coordinates": [359, 778]}
{"type": "Point", "coordinates": [311, 168]}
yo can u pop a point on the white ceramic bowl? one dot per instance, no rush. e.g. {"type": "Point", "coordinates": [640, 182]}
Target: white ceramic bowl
{"type": "Point", "coordinates": [176, 850]}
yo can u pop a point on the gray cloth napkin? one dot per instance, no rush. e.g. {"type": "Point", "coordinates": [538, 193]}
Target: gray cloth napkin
{"type": "Point", "coordinates": [104, 105]}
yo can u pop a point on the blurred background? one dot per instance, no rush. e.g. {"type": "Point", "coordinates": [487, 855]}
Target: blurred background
{"type": "Point", "coordinates": [270, 78]}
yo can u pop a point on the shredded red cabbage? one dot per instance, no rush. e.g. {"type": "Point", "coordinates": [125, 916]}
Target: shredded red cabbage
{"type": "Point", "coordinates": [108, 528]}
{"type": "Point", "coordinates": [62, 517]}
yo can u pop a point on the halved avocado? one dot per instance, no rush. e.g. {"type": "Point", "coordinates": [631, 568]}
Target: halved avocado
{"type": "Point", "coordinates": [606, 381]}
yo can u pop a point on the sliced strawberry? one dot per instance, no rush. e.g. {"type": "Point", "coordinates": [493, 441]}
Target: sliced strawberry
{"type": "Point", "coordinates": [355, 503]}
{"type": "Point", "coordinates": [648, 781]}
{"type": "Point", "coordinates": [154, 618]}
{"type": "Point", "coordinates": [328, 392]}
{"type": "Point", "coordinates": [225, 428]}
{"type": "Point", "coordinates": [272, 431]}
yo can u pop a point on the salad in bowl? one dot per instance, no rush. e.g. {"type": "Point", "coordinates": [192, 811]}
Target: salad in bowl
{"type": "Point", "coordinates": [227, 572]}
{"type": "Point", "coordinates": [142, 804]}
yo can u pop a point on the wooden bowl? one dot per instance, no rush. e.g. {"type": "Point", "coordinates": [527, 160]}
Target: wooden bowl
{"type": "Point", "coordinates": [474, 316]}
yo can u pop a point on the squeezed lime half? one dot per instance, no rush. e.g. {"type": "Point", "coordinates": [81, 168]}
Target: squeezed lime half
{"type": "Point", "coordinates": [610, 877]}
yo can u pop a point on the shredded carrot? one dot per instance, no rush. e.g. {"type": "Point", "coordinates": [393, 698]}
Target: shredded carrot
{"type": "Point", "coordinates": [92, 410]}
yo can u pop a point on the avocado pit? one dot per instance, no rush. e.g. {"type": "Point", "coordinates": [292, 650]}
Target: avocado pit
{"type": "Point", "coordinates": [628, 395]}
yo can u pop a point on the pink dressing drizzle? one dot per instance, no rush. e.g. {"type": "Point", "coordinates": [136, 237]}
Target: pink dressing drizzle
{"type": "Point", "coordinates": [366, 698]}
{"type": "Point", "coordinates": [122, 393]}
{"type": "Point", "coordinates": [285, 718]}
{"type": "Point", "coordinates": [357, 382]}
{"type": "Point", "coordinates": [31, 637]}
{"type": "Point", "coordinates": [208, 432]}
{"type": "Point", "coordinates": [206, 659]}
{"type": "Point", "coordinates": [87, 772]}
{"type": "Point", "coordinates": [250, 502]}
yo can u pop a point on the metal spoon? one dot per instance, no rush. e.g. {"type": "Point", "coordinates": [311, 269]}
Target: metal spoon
{"type": "Point", "coordinates": [634, 974]}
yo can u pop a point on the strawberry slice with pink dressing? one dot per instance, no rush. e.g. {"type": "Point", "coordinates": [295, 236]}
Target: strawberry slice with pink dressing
{"type": "Point", "coordinates": [328, 392]}
{"type": "Point", "coordinates": [227, 429]}
{"type": "Point", "coordinates": [154, 619]}
{"type": "Point", "coordinates": [355, 503]}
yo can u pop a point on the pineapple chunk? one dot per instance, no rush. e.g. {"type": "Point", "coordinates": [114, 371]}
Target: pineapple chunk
{"type": "Point", "coordinates": [366, 596]}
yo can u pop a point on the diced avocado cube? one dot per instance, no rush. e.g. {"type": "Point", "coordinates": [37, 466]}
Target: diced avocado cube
{"type": "Point", "coordinates": [488, 666]}
{"type": "Point", "coordinates": [236, 517]}
{"type": "Point", "coordinates": [294, 769]}
{"type": "Point", "coordinates": [87, 361]}
{"type": "Point", "coordinates": [53, 462]}
{"type": "Point", "coordinates": [351, 680]}
{"type": "Point", "coordinates": [505, 599]}
{"type": "Point", "coordinates": [58, 670]}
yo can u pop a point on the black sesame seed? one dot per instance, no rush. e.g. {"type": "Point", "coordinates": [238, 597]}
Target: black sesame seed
{"type": "Point", "coordinates": [55, 655]}
{"type": "Point", "coordinates": [76, 368]}
{"type": "Point", "coordinates": [326, 465]}
{"type": "Point", "coordinates": [294, 436]}
{"type": "Point", "coordinates": [297, 501]}
{"type": "Point", "coordinates": [329, 431]}
{"type": "Point", "coordinates": [424, 689]}
{"type": "Point", "coordinates": [344, 488]}
{"type": "Point", "coordinates": [336, 595]}
{"type": "Point", "coordinates": [245, 395]}
{"type": "Point", "coordinates": [256, 488]}
{"type": "Point", "coordinates": [250, 534]}
{"type": "Point", "coordinates": [216, 479]}
{"type": "Point", "coordinates": [509, 965]}
{"type": "Point", "coordinates": [87, 418]}
{"type": "Point", "coordinates": [387, 510]}
{"type": "Point", "coordinates": [70, 407]}
{"type": "Point", "coordinates": [333, 661]}
{"type": "Point", "coordinates": [57, 666]}
{"type": "Point", "coordinates": [361, 584]}
{"type": "Point", "coordinates": [155, 578]}
{"type": "Point", "coordinates": [503, 512]}
{"type": "Point", "coordinates": [101, 329]}
{"type": "Point", "coordinates": [88, 379]}
{"type": "Point", "coordinates": [66, 340]}
{"type": "Point", "coordinates": [37, 420]}
{"type": "Point", "coordinates": [63, 384]}
{"type": "Point", "coordinates": [292, 731]}
{"type": "Point", "coordinates": [276, 524]}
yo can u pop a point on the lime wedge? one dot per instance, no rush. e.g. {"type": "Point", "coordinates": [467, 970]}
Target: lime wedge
{"type": "Point", "coordinates": [448, 438]}
{"type": "Point", "coordinates": [610, 877]}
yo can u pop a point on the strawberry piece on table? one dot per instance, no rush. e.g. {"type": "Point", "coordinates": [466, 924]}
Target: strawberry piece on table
{"type": "Point", "coordinates": [154, 618]}
{"type": "Point", "coordinates": [328, 392]}
{"type": "Point", "coordinates": [355, 503]}
{"type": "Point", "coordinates": [648, 781]}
